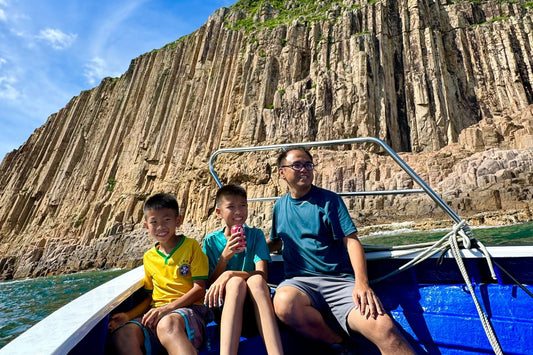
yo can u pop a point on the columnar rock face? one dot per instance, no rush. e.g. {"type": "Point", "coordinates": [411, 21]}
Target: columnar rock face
{"type": "Point", "coordinates": [446, 83]}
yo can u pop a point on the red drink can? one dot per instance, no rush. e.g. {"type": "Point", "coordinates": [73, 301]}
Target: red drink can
{"type": "Point", "coordinates": [239, 228]}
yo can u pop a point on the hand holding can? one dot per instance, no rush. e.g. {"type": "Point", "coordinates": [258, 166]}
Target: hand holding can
{"type": "Point", "coordinates": [239, 228]}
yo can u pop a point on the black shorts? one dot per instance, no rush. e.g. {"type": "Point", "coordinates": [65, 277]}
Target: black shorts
{"type": "Point", "coordinates": [249, 324]}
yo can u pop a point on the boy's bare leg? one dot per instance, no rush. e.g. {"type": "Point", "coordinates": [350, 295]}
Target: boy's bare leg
{"type": "Point", "coordinates": [264, 314]}
{"type": "Point", "coordinates": [380, 331]}
{"type": "Point", "coordinates": [293, 307]}
{"type": "Point", "coordinates": [128, 339]}
{"type": "Point", "coordinates": [172, 334]}
{"type": "Point", "coordinates": [231, 321]}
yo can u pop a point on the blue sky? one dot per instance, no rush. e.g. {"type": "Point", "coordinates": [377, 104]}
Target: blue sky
{"type": "Point", "coordinates": [51, 50]}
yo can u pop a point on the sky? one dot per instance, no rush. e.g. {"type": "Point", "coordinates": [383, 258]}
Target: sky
{"type": "Point", "coordinates": [51, 50]}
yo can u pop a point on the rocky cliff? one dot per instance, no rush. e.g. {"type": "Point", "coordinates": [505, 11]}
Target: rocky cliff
{"type": "Point", "coordinates": [447, 83]}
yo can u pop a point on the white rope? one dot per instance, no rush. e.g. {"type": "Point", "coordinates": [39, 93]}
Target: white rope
{"type": "Point", "coordinates": [485, 252]}
{"type": "Point", "coordinates": [451, 240]}
{"type": "Point", "coordinates": [426, 254]}
{"type": "Point", "coordinates": [489, 331]}
{"type": "Point", "coordinates": [439, 246]}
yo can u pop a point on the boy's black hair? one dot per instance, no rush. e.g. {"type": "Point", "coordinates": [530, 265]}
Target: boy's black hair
{"type": "Point", "coordinates": [160, 201]}
{"type": "Point", "coordinates": [284, 153]}
{"type": "Point", "coordinates": [230, 190]}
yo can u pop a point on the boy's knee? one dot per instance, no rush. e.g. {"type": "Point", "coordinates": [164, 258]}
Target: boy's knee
{"type": "Point", "coordinates": [171, 324]}
{"type": "Point", "coordinates": [256, 282]}
{"type": "Point", "coordinates": [236, 285]}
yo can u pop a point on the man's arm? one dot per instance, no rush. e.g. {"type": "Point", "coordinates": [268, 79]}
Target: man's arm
{"type": "Point", "coordinates": [363, 296]}
{"type": "Point", "coordinates": [274, 245]}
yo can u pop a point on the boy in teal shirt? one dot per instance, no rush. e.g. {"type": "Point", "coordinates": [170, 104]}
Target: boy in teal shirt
{"type": "Point", "coordinates": [237, 268]}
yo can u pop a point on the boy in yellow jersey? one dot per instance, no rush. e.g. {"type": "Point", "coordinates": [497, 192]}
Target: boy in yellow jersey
{"type": "Point", "coordinates": [173, 314]}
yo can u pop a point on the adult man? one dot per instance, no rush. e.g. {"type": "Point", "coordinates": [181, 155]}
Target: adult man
{"type": "Point", "coordinates": [322, 255]}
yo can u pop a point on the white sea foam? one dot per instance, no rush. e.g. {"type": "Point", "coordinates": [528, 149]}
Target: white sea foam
{"type": "Point", "coordinates": [10, 282]}
{"type": "Point", "coordinates": [400, 228]}
{"type": "Point", "coordinates": [389, 232]}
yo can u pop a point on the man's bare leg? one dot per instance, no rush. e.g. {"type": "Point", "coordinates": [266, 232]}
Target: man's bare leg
{"type": "Point", "coordinates": [293, 307]}
{"type": "Point", "coordinates": [380, 331]}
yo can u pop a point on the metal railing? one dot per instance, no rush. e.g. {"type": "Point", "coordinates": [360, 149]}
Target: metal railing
{"type": "Point", "coordinates": [424, 187]}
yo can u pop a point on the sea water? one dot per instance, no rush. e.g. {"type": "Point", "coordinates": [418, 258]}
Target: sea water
{"type": "Point", "coordinates": [516, 234]}
{"type": "Point", "coordinates": [25, 302]}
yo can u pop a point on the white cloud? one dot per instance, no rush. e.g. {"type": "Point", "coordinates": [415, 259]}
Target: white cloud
{"type": "Point", "coordinates": [95, 70]}
{"type": "Point", "coordinates": [56, 38]}
{"type": "Point", "coordinates": [3, 16]}
{"type": "Point", "coordinates": [7, 91]}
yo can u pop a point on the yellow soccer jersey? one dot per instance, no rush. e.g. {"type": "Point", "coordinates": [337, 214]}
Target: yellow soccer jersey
{"type": "Point", "coordinates": [169, 277]}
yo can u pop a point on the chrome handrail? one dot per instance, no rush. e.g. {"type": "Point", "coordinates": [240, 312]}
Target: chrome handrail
{"type": "Point", "coordinates": [424, 187]}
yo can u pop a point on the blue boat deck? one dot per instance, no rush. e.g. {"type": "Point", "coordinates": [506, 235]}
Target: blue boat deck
{"type": "Point", "coordinates": [432, 307]}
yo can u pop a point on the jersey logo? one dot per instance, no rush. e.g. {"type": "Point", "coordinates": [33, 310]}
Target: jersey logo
{"type": "Point", "coordinates": [184, 269]}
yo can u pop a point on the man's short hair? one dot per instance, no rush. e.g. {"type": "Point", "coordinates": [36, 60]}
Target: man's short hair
{"type": "Point", "coordinates": [229, 190]}
{"type": "Point", "coordinates": [284, 153]}
{"type": "Point", "coordinates": [160, 201]}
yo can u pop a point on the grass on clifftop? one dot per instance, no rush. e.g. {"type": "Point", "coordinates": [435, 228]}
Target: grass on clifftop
{"type": "Point", "coordinates": [261, 14]}
{"type": "Point", "coordinates": [279, 12]}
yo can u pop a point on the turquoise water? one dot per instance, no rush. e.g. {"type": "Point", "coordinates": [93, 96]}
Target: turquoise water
{"type": "Point", "coordinates": [25, 302]}
{"type": "Point", "coordinates": [518, 234]}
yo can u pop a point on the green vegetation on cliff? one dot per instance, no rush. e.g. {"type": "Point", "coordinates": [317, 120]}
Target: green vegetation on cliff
{"type": "Point", "coordinates": [255, 15]}
{"type": "Point", "coordinates": [260, 14]}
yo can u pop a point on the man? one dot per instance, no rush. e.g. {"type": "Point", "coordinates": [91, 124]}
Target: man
{"type": "Point", "coordinates": [325, 264]}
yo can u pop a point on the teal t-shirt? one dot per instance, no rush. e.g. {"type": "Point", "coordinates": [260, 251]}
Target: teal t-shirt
{"type": "Point", "coordinates": [256, 250]}
{"type": "Point", "coordinates": [312, 229]}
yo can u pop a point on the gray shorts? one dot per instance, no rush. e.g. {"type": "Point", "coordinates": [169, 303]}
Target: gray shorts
{"type": "Point", "coordinates": [196, 317]}
{"type": "Point", "coordinates": [331, 296]}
